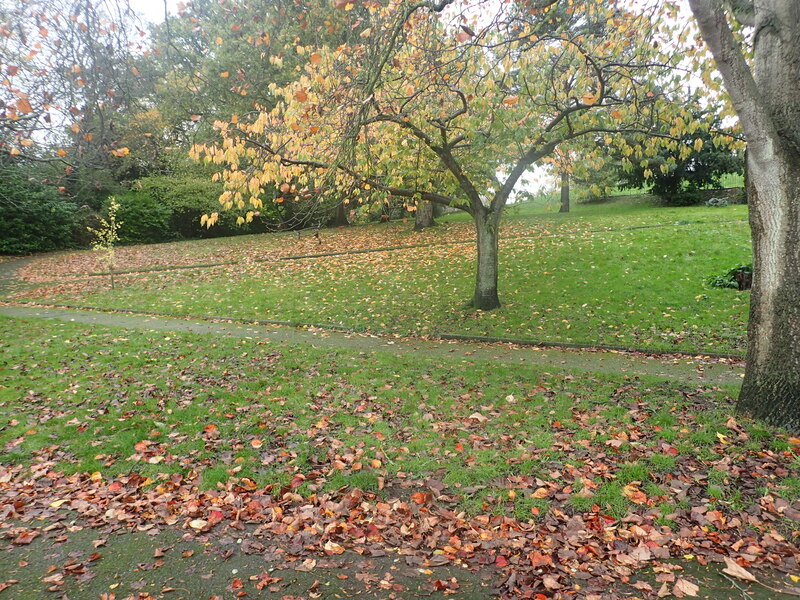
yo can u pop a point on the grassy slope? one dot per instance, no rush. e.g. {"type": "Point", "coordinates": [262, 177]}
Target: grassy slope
{"type": "Point", "coordinates": [563, 278]}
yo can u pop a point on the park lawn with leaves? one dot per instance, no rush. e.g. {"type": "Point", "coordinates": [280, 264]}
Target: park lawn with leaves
{"type": "Point", "coordinates": [633, 275]}
{"type": "Point", "coordinates": [540, 473]}
{"type": "Point", "coordinates": [524, 219]}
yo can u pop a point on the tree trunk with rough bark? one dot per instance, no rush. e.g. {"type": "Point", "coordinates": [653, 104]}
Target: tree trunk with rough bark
{"type": "Point", "coordinates": [771, 387]}
{"type": "Point", "coordinates": [423, 217]}
{"type": "Point", "coordinates": [486, 227]}
{"type": "Point", "coordinates": [767, 102]}
{"type": "Point", "coordinates": [564, 192]}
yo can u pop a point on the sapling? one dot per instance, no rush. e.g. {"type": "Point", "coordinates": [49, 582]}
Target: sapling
{"type": "Point", "coordinates": [106, 237]}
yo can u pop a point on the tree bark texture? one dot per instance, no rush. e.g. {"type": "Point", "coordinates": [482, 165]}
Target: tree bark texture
{"type": "Point", "coordinates": [486, 297]}
{"type": "Point", "coordinates": [423, 217]}
{"type": "Point", "coordinates": [564, 192]}
{"type": "Point", "coordinates": [767, 101]}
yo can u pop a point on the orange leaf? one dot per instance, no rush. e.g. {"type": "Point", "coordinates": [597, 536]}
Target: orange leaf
{"type": "Point", "coordinates": [315, 59]}
{"type": "Point", "coordinates": [23, 106]}
{"type": "Point", "coordinates": [225, 74]}
{"type": "Point", "coordinates": [510, 100]}
{"type": "Point", "coordinates": [301, 95]}
{"type": "Point", "coordinates": [540, 560]}
{"type": "Point", "coordinates": [634, 494]}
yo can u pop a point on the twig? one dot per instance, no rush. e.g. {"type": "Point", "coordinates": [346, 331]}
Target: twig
{"type": "Point", "coordinates": [737, 586]}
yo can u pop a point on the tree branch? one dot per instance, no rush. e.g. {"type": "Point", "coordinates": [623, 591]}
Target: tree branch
{"type": "Point", "coordinates": [363, 179]}
{"type": "Point", "coordinates": [443, 152]}
{"type": "Point", "coordinates": [730, 62]}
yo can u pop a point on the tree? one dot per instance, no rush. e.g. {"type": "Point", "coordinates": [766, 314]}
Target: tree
{"type": "Point", "coordinates": [482, 100]}
{"type": "Point", "coordinates": [765, 96]}
{"type": "Point", "coordinates": [69, 74]}
{"type": "Point", "coordinates": [106, 236]}
{"type": "Point", "coordinates": [697, 161]}
{"type": "Point", "coordinates": [218, 60]}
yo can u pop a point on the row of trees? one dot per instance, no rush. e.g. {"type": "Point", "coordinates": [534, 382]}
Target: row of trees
{"type": "Point", "coordinates": [94, 102]}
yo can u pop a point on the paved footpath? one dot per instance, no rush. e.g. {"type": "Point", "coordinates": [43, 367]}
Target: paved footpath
{"type": "Point", "coordinates": [689, 369]}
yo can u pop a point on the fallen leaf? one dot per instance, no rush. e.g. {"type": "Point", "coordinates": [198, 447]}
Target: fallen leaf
{"type": "Point", "coordinates": [732, 568]}
{"type": "Point", "coordinates": [684, 587]}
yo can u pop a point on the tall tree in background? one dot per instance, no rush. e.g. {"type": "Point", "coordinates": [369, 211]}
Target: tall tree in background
{"type": "Point", "coordinates": [766, 96]}
{"type": "Point", "coordinates": [698, 161]}
{"type": "Point", "coordinates": [69, 74]}
{"type": "Point", "coordinates": [484, 100]}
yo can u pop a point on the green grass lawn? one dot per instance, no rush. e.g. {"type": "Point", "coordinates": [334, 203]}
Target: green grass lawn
{"type": "Point", "coordinates": [582, 278]}
{"type": "Point", "coordinates": [104, 401]}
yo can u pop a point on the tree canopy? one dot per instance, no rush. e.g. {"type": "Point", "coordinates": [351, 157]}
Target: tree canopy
{"type": "Point", "coordinates": [441, 102]}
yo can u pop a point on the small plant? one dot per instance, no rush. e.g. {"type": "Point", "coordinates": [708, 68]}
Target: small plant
{"type": "Point", "coordinates": [737, 278]}
{"type": "Point", "coordinates": [717, 202]}
{"type": "Point", "coordinates": [106, 237]}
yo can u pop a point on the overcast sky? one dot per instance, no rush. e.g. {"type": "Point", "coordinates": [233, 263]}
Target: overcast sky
{"type": "Point", "coordinates": [153, 10]}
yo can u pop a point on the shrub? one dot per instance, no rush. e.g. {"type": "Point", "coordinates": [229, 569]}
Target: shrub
{"type": "Point", "coordinates": [146, 220]}
{"type": "Point", "coordinates": [187, 198]}
{"type": "Point", "coordinates": [737, 278]}
{"type": "Point", "coordinates": [33, 217]}
{"type": "Point", "coordinates": [684, 198]}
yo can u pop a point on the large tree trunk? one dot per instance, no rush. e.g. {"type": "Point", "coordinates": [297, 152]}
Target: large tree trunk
{"type": "Point", "coordinates": [767, 102]}
{"type": "Point", "coordinates": [771, 387]}
{"type": "Point", "coordinates": [423, 216]}
{"type": "Point", "coordinates": [564, 192]}
{"type": "Point", "coordinates": [486, 297]}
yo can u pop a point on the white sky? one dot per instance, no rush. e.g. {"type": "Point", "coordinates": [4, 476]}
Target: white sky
{"type": "Point", "coordinates": [153, 10]}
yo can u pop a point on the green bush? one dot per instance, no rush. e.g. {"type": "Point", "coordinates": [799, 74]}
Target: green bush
{"type": "Point", "coordinates": [187, 198]}
{"type": "Point", "coordinates": [33, 217]}
{"type": "Point", "coordinates": [682, 198]}
{"type": "Point", "coordinates": [737, 278]}
{"type": "Point", "coordinates": [145, 219]}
